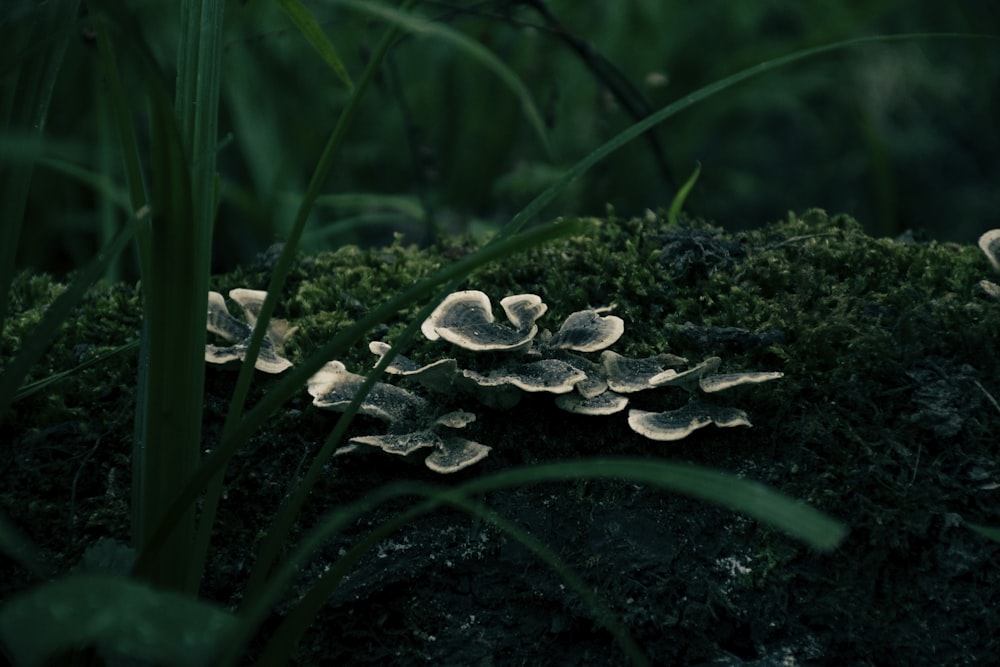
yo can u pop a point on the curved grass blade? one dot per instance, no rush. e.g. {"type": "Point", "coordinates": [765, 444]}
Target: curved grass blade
{"type": "Point", "coordinates": [32, 387]}
{"type": "Point", "coordinates": [678, 202]}
{"type": "Point", "coordinates": [471, 48]}
{"type": "Point", "coordinates": [235, 411]}
{"type": "Point", "coordinates": [313, 33]}
{"type": "Point", "coordinates": [40, 39]}
{"type": "Point", "coordinates": [986, 531]}
{"type": "Point", "coordinates": [689, 100]}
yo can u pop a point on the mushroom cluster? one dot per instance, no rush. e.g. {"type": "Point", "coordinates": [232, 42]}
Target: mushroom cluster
{"type": "Point", "coordinates": [521, 360]}
{"type": "Point", "coordinates": [555, 363]}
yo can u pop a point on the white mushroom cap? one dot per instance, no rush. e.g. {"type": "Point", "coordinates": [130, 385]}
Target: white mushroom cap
{"type": "Point", "coordinates": [626, 375]}
{"type": "Point", "coordinates": [222, 324]}
{"type": "Point", "coordinates": [400, 444]}
{"type": "Point", "coordinates": [252, 302]}
{"type": "Point", "coordinates": [688, 379]}
{"type": "Point", "coordinates": [989, 243]}
{"type": "Point", "coordinates": [595, 383]}
{"type": "Point", "coordinates": [550, 375]}
{"type": "Point", "coordinates": [991, 288]}
{"type": "Point", "coordinates": [587, 331]}
{"type": "Point", "coordinates": [680, 423]}
{"type": "Point", "coordinates": [607, 403]}
{"type": "Point", "coordinates": [713, 383]}
{"type": "Point", "coordinates": [466, 319]}
{"type": "Point", "coordinates": [333, 387]}
{"type": "Point", "coordinates": [437, 375]}
{"type": "Point", "coordinates": [456, 419]}
{"type": "Point", "coordinates": [523, 310]}
{"type": "Point", "coordinates": [453, 454]}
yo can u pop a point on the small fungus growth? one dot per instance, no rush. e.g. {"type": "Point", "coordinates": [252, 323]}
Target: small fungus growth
{"type": "Point", "coordinates": [238, 333]}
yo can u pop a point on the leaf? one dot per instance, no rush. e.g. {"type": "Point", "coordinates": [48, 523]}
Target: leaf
{"type": "Point", "coordinates": [312, 31]}
{"type": "Point", "coordinates": [121, 618]}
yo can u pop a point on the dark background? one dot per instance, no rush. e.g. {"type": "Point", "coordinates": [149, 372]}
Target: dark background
{"type": "Point", "coordinates": [901, 135]}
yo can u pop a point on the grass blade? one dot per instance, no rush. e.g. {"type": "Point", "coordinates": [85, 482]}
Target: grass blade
{"type": "Point", "coordinates": [677, 205]}
{"type": "Point", "coordinates": [313, 33]}
{"type": "Point", "coordinates": [689, 100]}
{"type": "Point", "coordinates": [986, 531]}
{"type": "Point", "coordinates": [471, 48]}
{"type": "Point", "coordinates": [34, 346]}
{"type": "Point", "coordinates": [25, 96]}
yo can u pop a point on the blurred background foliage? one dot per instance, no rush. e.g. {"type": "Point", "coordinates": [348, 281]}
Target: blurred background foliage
{"type": "Point", "coordinates": [901, 136]}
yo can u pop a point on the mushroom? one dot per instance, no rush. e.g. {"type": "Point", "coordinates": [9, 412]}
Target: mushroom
{"type": "Point", "coordinates": [713, 383]}
{"type": "Point", "coordinates": [680, 423]}
{"type": "Point", "coordinates": [222, 324]}
{"type": "Point", "coordinates": [989, 243]}
{"type": "Point", "coordinates": [437, 375]}
{"type": "Point", "coordinates": [455, 419]}
{"type": "Point", "coordinates": [587, 331]}
{"type": "Point", "coordinates": [626, 375]}
{"type": "Point", "coordinates": [401, 444]}
{"type": "Point", "coordinates": [333, 387]}
{"type": "Point", "coordinates": [523, 310]}
{"type": "Point", "coordinates": [607, 403]}
{"type": "Point", "coordinates": [452, 454]}
{"type": "Point", "coordinates": [549, 375]}
{"type": "Point", "coordinates": [466, 319]}
{"type": "Point", "coordinates": [688, 379]}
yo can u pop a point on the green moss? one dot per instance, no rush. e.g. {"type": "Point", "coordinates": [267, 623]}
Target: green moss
{"type": "Point", "coordinates": [884, 417]}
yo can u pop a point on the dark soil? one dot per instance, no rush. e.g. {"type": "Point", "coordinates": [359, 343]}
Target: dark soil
{"type": "Point", "coordinates": [886, 421]}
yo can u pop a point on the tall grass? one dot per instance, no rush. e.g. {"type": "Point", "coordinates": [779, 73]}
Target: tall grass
{"type": "Point", "coordinates": [155, 614]}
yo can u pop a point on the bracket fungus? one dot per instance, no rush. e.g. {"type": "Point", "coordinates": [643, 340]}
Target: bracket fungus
{"type": "Point", "coordinates": [545, 363]}
{"type": "Point", "coordinates": [466, 319]}
{"type": "Point", "coordinates": [680, 423]}
{"type": "Point", "coordinates": [587, 331]}
{"type": "Point", "coordinates": [333, 387]}
{"type": "Point", "coordinates": [607, 403]}
{"type": "Point", "coordinates": [989, 243]}
{"type": "Point", "coordinates": [626, 375]}
{"type": "Point", "coordinates": [222, 324]}
{"type": "Point", "coordinates": [437, 376]}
